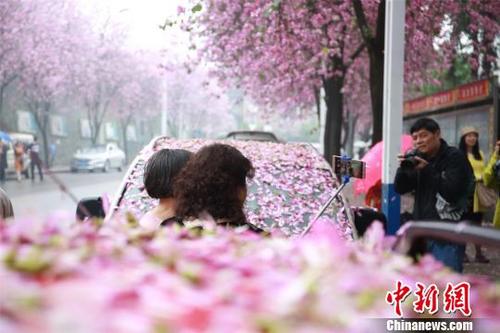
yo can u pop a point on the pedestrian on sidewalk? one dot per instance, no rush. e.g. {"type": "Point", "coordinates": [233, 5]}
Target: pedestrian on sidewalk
{"type": "Point", "coordinates": [442, 179]}
{"type": "Point", "coordinates": [469, 146]}
{"type": "Point", "coordinates": [3, 160]}
{"type": "Point", "coordinates": [491, 177]}
{"type": "Point", "coordinates": [35, 159]}
{"type": "Point", "coordinates": [19, 159]}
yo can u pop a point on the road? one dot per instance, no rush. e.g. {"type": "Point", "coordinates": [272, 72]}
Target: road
{"type": "Point", "coordinates": [40, 198]}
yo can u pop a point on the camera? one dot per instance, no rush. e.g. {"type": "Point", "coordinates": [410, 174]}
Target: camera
{"type": "Point", "coordinates": [348, 167]}
{"type": "Point", "coordinates": [409, 161]}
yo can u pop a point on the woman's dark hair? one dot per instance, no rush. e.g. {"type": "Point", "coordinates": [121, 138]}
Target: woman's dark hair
{"type": "Point", "coordinates": [161, 170]}
{"type": "Point", "coordinates": [425, 123]}
{"type": "Point", "coordinates": [475, 149]}
{"type": "Point", "coordinates": [211, 181]}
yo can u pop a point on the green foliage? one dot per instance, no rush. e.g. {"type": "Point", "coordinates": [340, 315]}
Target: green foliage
{"type": "Point", "coordinates": [459, 73]}
{"type": "Point", "coordinates": [197, 8]}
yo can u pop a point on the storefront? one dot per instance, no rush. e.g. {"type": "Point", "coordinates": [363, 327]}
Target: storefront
{"type": "Point", "coordinates": [473, 104]}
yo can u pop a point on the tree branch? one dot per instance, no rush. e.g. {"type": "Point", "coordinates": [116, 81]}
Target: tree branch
{"type": "Point", "coordinates": [355, 54]}
{"type": "Point", "coordinates": [366, 33]}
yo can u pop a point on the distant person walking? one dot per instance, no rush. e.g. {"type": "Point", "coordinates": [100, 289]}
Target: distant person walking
{"type": "Point", "coordinates": [469, 145]}
{"type": "Point", "coordinates": [19, 159]}
{"type": "Point", "coordinates": [35, 159]}
{"type": "Point", "coordinates": [3, 160]}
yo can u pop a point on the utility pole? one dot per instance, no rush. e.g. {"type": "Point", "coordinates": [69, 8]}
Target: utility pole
{"type": "Point", "coordinates": [393, 108]}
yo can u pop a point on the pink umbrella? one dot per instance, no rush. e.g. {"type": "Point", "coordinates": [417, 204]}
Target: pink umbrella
{"type": "Point", "coordinates": [373, 159]}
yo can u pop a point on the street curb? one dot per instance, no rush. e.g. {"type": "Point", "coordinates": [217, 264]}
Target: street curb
{"type": "Point", "coordinates": [61, 169]}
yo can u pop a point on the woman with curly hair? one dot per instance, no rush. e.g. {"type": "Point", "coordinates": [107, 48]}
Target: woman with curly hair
{"type": "Point", "coordinates": [214, 182]}
{"type": "Point", "coordinates": [159, 174]}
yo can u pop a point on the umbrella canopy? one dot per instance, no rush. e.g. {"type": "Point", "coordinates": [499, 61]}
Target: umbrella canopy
{"type": "Point", "coordinates": [5, 137]}
{"type": "Point", "coordinates": [373, 160]}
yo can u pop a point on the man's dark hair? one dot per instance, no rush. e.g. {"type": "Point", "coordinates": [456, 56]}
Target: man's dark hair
{"type": "Point", "coordinates": [210, 182]}
{"type": "Point", "coordinates": [425, 123]}
{"type": "Point", "coordinates": [161, 170]}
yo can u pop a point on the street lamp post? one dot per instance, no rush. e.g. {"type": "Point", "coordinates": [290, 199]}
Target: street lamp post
{"type": "Point", "coordinates": [393, 108]}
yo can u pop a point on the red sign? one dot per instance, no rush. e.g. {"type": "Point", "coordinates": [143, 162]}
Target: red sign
{"type": "Point", "coordinates": [464, 94]}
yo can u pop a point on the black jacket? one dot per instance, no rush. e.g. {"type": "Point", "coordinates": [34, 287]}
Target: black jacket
{"type": "Point", "coordinates": [448, 173]}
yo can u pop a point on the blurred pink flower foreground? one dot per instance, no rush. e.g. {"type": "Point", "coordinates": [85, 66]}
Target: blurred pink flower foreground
{"type": "Point", "coordinates": [88, 277]}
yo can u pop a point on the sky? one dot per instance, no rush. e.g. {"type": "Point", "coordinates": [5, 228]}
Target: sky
{"type": "Point", "coordinates": [142, 19]}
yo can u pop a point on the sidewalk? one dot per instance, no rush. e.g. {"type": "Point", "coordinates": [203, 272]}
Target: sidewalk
{"type": "Point", "coordinates": [60, 169]}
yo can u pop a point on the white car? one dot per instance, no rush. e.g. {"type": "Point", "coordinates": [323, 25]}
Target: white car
{"type": "Point", "coordinates": [101, 157]}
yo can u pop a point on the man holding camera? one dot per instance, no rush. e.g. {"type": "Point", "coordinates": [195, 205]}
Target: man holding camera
{"type": "Point", "coordinates": [442, 180]}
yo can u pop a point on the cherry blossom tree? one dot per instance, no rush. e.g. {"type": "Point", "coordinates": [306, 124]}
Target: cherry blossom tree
{"type": "Point", "coordinates": [140, 95]}
{"type": "Point", "coordinates": [196, 103]}
{"type": "Point", "coordinates": [49, 47]}
{"type": "Point", "coordinates": [15, 23]}
{"type": "Point", "coordinates": [282, 52]}
{"type": "Point", "coordinates": [425, 20]}
{"type": "Point", "coordinates": [99, 73]}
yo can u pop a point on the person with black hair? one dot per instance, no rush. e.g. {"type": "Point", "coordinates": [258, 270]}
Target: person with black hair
{"type": "Point", "coordinates": [213, 185]}
{"type": "Point", "coordinates": [36, 161]}
{"type": "Point", "coordinates": [469, 146]}
{"type": "Point", "coordinates": [441, 179]}
{"type": "Point", "coordinates": [159, 174]}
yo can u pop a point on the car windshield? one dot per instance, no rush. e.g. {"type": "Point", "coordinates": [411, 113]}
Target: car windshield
{"type": "Point", "coordinates": [246, 136]}
{"type": "Point", "coordinates": [291, 184]}
{"type": "Point", "coordinates": [94, 150]}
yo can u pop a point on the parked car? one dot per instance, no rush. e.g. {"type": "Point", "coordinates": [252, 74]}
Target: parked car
{"type": "Point", "coordinates": [292, 182]}
{"type": "Point", "coordinates": [26, 140]}
{"type": "Point", "coordinates": [252, 136]}
{"type": "Point", "coordinates": [100, 157]}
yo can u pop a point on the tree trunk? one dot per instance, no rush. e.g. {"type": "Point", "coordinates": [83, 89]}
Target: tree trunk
{"type": "Point", "coordinates": [2, 124]}
{"type": "Point", "coordinates": [374, 41]}
{"type": "Point", "coordinates": [317, 99]}
{"type": "Point", "coordinates": [125, 138]}
{"type": "Point", "coordinates": [345, 129]}
{"type": "Point", "coordinates": [97, 128]}
{"type": "Point", "coordinates": [351, 125]}
{"type": "Point", "coordinates": [3, 87]}
{"type": "Point", "coordinates": [377, 93]}
{"type": "Point", "coordinates": [45, 141]}
{"type": "Point", "coordinates": [334, 107]}
{"type": "Point", "coordinates": [42, 120]}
